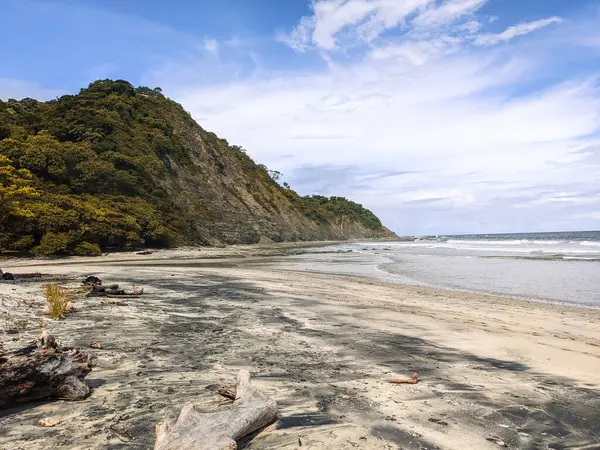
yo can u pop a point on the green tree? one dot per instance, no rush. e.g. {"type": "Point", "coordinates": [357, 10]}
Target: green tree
{"type": "Point", "coordinates": [274, 174]}
{"type": "Point", "coordinates": [15, 190]}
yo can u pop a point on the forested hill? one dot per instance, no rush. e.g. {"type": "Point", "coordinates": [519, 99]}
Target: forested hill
{"type": "Point", "coordinates": [119, 166]}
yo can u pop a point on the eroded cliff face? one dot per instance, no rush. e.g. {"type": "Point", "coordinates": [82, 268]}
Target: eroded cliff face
{"type": "Point", "coordinates": [117, 165]}
{"type": "Point", "coordinates": [231, 200]}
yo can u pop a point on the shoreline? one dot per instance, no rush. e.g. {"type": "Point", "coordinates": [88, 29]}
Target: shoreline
{"type": "Point", "coordinates": [435, 290]}
{"type": "Point", "coordinates": [518, 298]}
{"type": "Point", "coordinates": [495, 372]}
{"type": "Point", "coordinates": [260, 254]}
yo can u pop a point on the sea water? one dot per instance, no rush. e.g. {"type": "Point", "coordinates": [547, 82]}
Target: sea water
{"type": "Point", "coordinates": [559, 267]}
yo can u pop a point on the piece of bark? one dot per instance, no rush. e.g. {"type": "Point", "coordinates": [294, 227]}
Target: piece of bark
{"type": "Point", "coordinates": [227, 391]}
{"type": "Point", "coordinates": [251, 411]}
{"type": "Point", "coordinates": [413, 380]}
{"type": "Point", "coordinates": [44, 370]}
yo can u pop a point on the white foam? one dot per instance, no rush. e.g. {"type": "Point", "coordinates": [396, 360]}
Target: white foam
{"type": "Point", "coordinates": [503, 242]}
{"type": "Point", "coordinates": [532, 250]}
{"type": "Point", "coordinates": [590, 243]}
{"type": "Point", "coordinates": [483, 242]}
{"type": "Point", "coordinates": [516, 246]}
{"type": "Point", "coordinates": [580, 258]}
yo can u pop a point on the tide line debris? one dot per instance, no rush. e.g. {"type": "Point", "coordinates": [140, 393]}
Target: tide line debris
{"type": "Point", "coordinates": [92, 281]}
{"type": "Point", "coordinates": [44, 369]}
{"type": "Point", "coordinates": [111, 291]}
{"type": "Point", "coordinates": [413, 380]}
{"type": "Point", "coordinates": [6, 276]}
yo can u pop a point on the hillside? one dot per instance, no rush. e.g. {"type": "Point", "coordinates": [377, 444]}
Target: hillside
{"type": "Point", "coordinates": [119, 166]}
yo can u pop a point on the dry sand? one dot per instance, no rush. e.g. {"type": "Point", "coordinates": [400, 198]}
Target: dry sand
{"type": "Point", "coordinates": [494, 372]}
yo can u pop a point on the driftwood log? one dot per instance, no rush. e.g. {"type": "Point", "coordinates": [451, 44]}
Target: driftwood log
{"type": "Point", "coordinates": [44, 370]}
{"type": "Point", "coordinates": [251, 411]}
{"type": "Point", "coordinates": [113, 292]}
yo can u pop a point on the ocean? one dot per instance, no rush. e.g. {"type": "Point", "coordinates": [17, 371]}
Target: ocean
{"type": "Point", "coordinates": [562, 267]}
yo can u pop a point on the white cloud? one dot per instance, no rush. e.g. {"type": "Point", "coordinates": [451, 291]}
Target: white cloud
{"type": "Point", "coordinates": [516, 30]}
{"type": "Point", "coordinates": [421, 26]}
{"type": "Point", "coordinates": [362, 20]}
{"type": "Point", "coordinates": [393, 110]}
{"type": "Point", "coordinates": [337, 23]}
{"type": "Point", "coordinates": [211, 45]}
{"type": "Point", "coordinates": [301, 36]}
{"type": "Point", "coordinates": [418, 52]}
{"type": "Point", "coordinates": [447, 12]}
{"type": "Point", "coordinates": [470, 27]}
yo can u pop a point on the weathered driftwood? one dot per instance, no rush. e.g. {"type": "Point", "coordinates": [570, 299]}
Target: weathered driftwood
{"type": "Point", "coordinates": [92, 280]}
{"type": "Point", "coordinates": [44, 370]}
{"type": "Point", "coordinates": [6, 276]}
{"type": "Point", "coordinates": [413, 380]}
{"type": "Point", "coordinates": [114, 292]}
{"type": "Point", "coordinates": [28, 276]}
{"type": "Point", "coordinates": [251, 411]}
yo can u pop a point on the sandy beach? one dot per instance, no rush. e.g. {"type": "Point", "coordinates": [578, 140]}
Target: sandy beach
{"type": "Point", "coordinates": [494, 372]}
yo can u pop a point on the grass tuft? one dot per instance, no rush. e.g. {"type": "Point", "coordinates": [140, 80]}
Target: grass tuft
{"type": "Point", "coordinates": [58, 299]}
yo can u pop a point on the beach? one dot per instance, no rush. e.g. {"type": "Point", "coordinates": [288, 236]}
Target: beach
{"type": "Point", "coordinates": [493, 371]}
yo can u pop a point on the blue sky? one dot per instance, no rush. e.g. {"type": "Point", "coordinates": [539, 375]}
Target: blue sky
{"type": "Point", "coordinates": [442, 116]}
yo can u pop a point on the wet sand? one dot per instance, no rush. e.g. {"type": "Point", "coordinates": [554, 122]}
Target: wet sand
{"type": "Point", "coordinates": [494, 372]}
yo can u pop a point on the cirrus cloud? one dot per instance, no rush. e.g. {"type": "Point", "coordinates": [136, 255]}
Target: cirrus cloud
{"type": "Point", "coordinates": [516, 30]}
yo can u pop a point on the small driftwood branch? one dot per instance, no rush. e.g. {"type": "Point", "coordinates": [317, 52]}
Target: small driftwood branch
{"type": "Point", "coordinates": [413, 380]}
{"type": "Point", "coordinates": [44, 370]}
{"type": "Point", "coordinates": [251, 411]}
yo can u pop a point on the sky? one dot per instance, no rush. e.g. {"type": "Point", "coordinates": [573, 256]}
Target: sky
{"type": "Point", "coordinates": [441, 116]}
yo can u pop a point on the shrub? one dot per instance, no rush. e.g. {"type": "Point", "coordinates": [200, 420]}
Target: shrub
{"type": "Point", "coordinates": [23, 243]}
{"type": "Point", "coordinates": [58, 299]}
{"type": "Point", "coordinates": [87, 249]}
{"type": "Point", "coordinates": [51, 243]}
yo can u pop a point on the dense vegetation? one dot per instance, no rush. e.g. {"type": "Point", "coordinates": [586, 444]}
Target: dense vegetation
{"type": "Point", "coordinates": [341, 209]}
{"type": "Point", "coordinates": [93, 170]}
{"type": "Point", "coordinates": [337, 209]}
